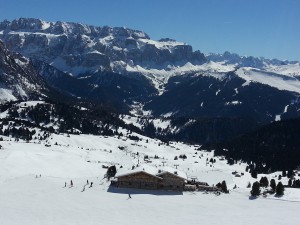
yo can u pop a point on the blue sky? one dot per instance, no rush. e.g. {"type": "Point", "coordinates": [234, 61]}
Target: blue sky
{"type": "Point", "coordinates": [268, 28]}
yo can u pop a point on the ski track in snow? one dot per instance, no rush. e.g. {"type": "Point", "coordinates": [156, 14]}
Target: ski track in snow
{"type": "Point", "coordinates": [28, 200]}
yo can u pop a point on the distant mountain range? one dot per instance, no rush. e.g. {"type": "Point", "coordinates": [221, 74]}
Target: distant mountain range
{"type": "Point", "coordinates": [126, 70]}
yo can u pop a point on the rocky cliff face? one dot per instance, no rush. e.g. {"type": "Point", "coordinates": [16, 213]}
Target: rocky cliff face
{"type": "Point", "coordinates": [246, 61]}
{"type": "Point", "coordinates": [81, 49]}
{"type": "Point", "coordinates": [123, 67]}
{"type": "Point", "coordinates": [18, 78]}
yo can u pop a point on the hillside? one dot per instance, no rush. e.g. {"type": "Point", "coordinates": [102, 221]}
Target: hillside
{"type": "Point", "coordinates": [271, 147]}
{"type": "Point", "coordinates": [18, 78]}
{"type": "Point", "coordinates": [62, 158]}
{"type": "Point", "coordinates": [149, 113]}
{"type": "Point", "coordinates": [123, 68]}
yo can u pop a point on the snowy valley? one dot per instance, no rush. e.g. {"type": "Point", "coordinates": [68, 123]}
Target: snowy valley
{"type": "Point", "coordinates": [62, 158]}
{"type": "Point", "coordinates": [77, 99]}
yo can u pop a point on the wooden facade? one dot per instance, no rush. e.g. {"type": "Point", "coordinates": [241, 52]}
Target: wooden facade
{"type": "Point", "coordinates": [144, 180]}
{"type": "Point", "coordinates": [140, 180]}
{"type": "Point", "coordinates": [171, 181]}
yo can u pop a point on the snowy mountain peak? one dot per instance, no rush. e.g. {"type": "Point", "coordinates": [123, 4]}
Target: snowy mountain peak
{"type": "Point", "coordinates": [79, 49]}
{"type": "Point", "coordinates": [123, 67]}
{"type": "Point", "coordinates": [247, 61]}
{"type": "Point", "coordinates": [18, 78]}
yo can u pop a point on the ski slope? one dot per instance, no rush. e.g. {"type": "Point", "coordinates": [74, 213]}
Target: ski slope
{"type": "Point", "coordinates": [28, 199]}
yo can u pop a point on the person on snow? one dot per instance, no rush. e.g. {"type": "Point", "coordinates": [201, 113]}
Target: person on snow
{"type": "Point", "coordinates": [71, 183]}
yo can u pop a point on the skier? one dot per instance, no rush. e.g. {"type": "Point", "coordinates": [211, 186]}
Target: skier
{"type": "Point", "coordinates": [87, 181]}
{"type": "Point", "coordinates": [65, 184]}
{"type": "Point", "coordinates": [129, 196]}
{"type": "Point", "coordinates": [71, 183]}
{"type": "Point", "coordinates": [91, 184]}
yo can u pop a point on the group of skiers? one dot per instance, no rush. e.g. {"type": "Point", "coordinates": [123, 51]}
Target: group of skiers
{"type": "Point", "coordinates": [91, 184]}
{"type": "Point", "coordinates": [87, 183]}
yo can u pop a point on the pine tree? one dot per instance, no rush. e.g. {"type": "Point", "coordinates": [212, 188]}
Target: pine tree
{"type": "Point", "coordinates": [254, 173]}
{"type": "Point", "coordinates": [224, 187]}
{"type": "Point", "coordinates": [264, 182]}
{"type": "Point", "coordinates": [279, 189]}
{"type": "Point", "coordinates": [249, 185]}
{"type": "Point", "coordinates": [284, 173]}
{"type": "Point", "coordinates": [255, 189]}
{"type": "Point", "coordinates": [247, 168]}
{"type": "Point", "coordinates": [290, 173]}
{"type": "Point", "coordinates": [273, 184]}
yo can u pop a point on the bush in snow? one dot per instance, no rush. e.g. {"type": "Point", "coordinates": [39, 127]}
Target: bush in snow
{"type": "Point", "coordinates": [279, 189]}
{"type": "Point", "coordinates": [284, 173]}
{"type": "Point", "coordinates": [273, 185]}
{"type": "Point", "coordinates": [111, 171]}
{"type": "Point", "coordinates": [264, 182]}
{"type": "Point", "coordinates": [290, 182]}
{"type": "Point", "coordinates": [255, 189]}
{"type": "Point", "coordinates": [249, 185]}
{"type": "Point", "coordinates": [183, 156]}
{"type": "Point", "coordinates": [254, 173]}
{"type": "Point", "coordinates": [224, 187]}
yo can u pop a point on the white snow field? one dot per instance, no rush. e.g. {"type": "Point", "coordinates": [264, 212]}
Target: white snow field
{"type": "Point", "coordinates": [282, 81]}
{"type": "Point", "coordinates": [28, 199]}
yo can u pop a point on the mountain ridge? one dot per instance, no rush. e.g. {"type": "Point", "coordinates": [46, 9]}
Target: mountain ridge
{"type": "Point", "coordinates": [123, 68]}
{"type": "Point", "coordinates": [200, 99]}
{"type": "Point", "coordinates": [18, 79]}
{"type": "Point", "coordinates": [93, 43]}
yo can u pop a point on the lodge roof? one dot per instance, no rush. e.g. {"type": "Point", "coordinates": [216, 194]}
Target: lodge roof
{"type": "Point", "coordinates": [153, 171]}
{"type": "Point", "coordinates": [137, 172]}
{"type": "Point", "coordinates": [173, 174]}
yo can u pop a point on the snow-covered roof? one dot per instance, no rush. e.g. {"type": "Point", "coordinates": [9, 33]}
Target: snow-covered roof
{"type": "Point", "coordinates": [173, 171]}
{"type": "Point", "coordinates": [144, 167]}
{"type": "Point", "coordinates": [126, 174]}
{"type": "Point", "coordinates": [151, 170]}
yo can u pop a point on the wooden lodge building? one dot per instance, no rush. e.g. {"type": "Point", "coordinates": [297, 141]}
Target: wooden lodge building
{"type": "Point", "coordinates": [146, 178]}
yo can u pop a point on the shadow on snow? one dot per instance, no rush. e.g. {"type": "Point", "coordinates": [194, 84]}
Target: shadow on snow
{"type": "Point", "coordinates": [142, 191]}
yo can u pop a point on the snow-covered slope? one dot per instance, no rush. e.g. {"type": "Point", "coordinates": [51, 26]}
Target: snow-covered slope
{"type": "Point", "coordinates": [283, 79]}
{"type": "Point", "coordinates": [18, 79]}
{"type": "Point", "coordinates": [291, 69]}
{"type": "Point", "coordinates": [122, 68]}
{"type": "Point", "coordinates": [33, 176]}
{"type": "Point", "coordinates": [160, 76]}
